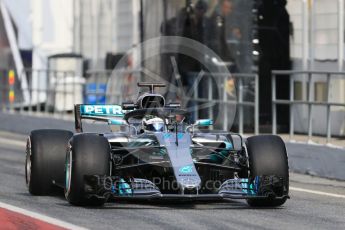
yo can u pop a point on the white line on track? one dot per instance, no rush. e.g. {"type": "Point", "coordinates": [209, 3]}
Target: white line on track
{"type": "Point", "coordinates": [41, 217]}
{"type": "Point", "coordinates": [317, 192]}
{"type": "Point", "coordinates": [17, 143]}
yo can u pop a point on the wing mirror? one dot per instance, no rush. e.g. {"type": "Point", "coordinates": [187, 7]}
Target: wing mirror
{"type": "Point", "coordinates": [117, 122]}
{"type": "Point", "coordinates": [200, 123]}
{"type": "Point", "coordinates": [114, 123]}
{"type": "Point", "coordinates": [203, 122]}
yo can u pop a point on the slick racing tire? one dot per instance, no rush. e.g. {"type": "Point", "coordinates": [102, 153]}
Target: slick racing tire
{"type": "Point", "coordinates": [267, 156]}
{"type": "Point", "coordinates": [89, 154]}
{"type": "Point", "coordinates": [45, 159]}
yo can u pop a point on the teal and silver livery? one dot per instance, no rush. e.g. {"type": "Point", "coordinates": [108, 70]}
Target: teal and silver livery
{"type": "Point", "coordinates": [155, 150]}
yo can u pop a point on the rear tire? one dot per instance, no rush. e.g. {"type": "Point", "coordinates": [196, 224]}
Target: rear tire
{"type": "Point", "coordinates": [89, 154]}
{"type": "Point", "coordinates": [45, 159]}
{"type": "Point", "coordinates": [267, 156]}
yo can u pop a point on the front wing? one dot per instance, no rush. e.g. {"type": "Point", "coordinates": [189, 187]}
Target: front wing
{"type": "Point", "coordinates": [241, 188]}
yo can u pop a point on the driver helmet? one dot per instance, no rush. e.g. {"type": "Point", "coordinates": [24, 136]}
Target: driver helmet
{"type": "Point", "coordinates": [154, 124]}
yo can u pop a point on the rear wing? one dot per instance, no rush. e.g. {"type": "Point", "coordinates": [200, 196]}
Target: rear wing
{"type": "Point", "coordinates": [95, 112]}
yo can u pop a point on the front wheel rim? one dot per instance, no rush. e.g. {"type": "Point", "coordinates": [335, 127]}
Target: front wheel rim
{"type": "Point", "coordinates": [28, 163]}
{"type": "Point", "coordinates": [68, 172]}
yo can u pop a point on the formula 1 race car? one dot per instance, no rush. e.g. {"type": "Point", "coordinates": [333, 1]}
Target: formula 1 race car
{"type": "Point", "coordinates": [156, 153]}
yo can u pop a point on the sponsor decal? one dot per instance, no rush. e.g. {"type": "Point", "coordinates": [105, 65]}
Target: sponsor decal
{"type": "Point", "coordinates": [101, 110]}
{"type": "Point", "coordinates": [180, 136]}
{"type": "Point", "coordinates": [186, 169]}
{"type": "Point", "coordinates": [167, 135]}
{"type": "Point", "coordinates": [171, 136]}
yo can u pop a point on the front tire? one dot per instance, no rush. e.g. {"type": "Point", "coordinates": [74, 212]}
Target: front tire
{"type": "Point", "coordinates": [89, 154]}
{"type": "Point", "coordinates": [45, 159]}
{"type": "Point", "coordinates": [267, 156]}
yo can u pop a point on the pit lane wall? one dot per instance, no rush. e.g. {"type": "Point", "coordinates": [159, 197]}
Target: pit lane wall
{"type": "Point", "coordinates": [315, 160]}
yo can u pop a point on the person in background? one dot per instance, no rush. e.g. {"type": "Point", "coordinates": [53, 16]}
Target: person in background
{"type": "Point", "coordinates": [224, 31]}
{"type": "Point", "coordinates": [191, 22]}
{"type": "Point", "coordinates": [194, 25]}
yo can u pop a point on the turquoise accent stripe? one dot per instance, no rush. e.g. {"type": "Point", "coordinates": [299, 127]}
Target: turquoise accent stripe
{"type": "Point", "coordinates": [116, 122]}
{"type": "Point", "coordinates": [219, 157]}
{"type": "Point", "coordinates": [228, 145]}
{"type": "Point", "coordinates": [124, 188]}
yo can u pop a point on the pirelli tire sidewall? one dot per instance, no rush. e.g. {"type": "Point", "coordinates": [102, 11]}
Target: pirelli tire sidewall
{"type": "Point", "coordinates": [45, 159]}
{"type": "Point", "coordinates": [268, 156]}
{"type": "Point", "coordinates": [89, 154]}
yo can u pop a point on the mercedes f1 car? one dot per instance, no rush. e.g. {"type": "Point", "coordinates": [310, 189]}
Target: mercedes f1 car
{"type": "Point", "coordinates": [156, 153]}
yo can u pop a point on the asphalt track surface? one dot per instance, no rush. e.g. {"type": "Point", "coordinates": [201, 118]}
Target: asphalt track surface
{"type": "Point", "coordinates": [315, 204]}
